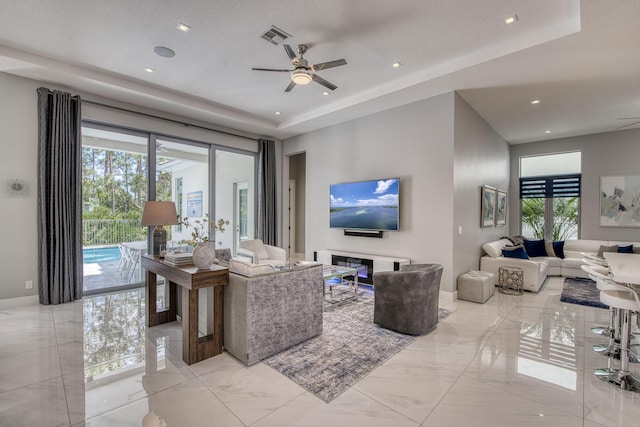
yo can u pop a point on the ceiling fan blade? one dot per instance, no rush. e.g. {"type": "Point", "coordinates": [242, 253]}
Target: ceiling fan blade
{"type": "Point", "coordinates": [629, 125]}
{"type": "Point", "coordinates": [292, 84]}
{"type": "Point", "coordinates": [329, 64]}
{"type": "Point", "coordinates": [290, 52]}
{"type": "Point", "coordinates": [316, 78]}
{"type": "Point", "coordinates": [271, 69]}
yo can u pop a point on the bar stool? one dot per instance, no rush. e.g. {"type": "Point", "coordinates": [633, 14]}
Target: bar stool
{"type": "Point", "coordinates": [626, 302]}
{"type": "Point", "coordinates": [613, 348]}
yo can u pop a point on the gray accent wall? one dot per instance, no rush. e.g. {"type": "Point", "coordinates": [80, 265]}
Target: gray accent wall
{"type": "Point", "coordinates": [603, 154]}
{"type": "Point", "coordinates": [481, 156]}
{"type": "Point", "coordinates": [422, 144]}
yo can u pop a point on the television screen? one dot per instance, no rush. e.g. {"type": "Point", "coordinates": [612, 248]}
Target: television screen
{"type": "Point", "coordinates": [369, 205]}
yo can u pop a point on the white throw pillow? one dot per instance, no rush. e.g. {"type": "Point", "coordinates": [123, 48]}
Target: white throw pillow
{"type": "Point", "coordinates": [494, 249]}
{"type": "Point", "coordinates": [248, 269]}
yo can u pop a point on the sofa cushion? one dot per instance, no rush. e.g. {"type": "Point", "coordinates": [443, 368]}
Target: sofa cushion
{"type": "Point", "coordinates": [574, 263]}
{"type": "Point", "coordinates": [558, 248]}
{"type": "Point", "coordinates": [625, 249]}
{"type": "Point", "coordinates": [515, 252]}
{"type": "Point", "coordinates": [535, 248]}
{"type": "Point", "coordinates": [494, 248]}
{"type": "Point", "coordinates": [248, 269]}
{"type": "Point", "coordinates": [603, 249]}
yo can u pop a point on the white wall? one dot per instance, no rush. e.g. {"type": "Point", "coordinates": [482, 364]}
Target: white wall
{"type": "Point", "coordinates": [612, 153]}
{"type": "Point", "coordinates": [481, 156]}
{"type": "Point", "coordinates": [19, 146]}
{"type": "Point", "coordinates": [413, 142]}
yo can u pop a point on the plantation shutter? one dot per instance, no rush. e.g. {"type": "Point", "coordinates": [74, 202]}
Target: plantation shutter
{"type": "Point", "coordinates": [544, 187]}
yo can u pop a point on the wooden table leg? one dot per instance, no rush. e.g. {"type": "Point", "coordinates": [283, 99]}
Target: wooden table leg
{"type": "Point", "coordinates": [195, 348]}
{"type": "Point", "coordinates": [151, 294]}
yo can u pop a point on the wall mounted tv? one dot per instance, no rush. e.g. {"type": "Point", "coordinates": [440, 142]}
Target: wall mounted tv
{"type": "Point", "coordinates": [365, 205]}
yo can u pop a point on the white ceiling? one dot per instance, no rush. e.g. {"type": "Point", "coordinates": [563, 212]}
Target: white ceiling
{"type": "Point", "coordinates": [580, 58]}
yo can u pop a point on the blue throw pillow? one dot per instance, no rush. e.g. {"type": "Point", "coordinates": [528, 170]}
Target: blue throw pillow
{"type": "Point", "coordinates": [625, 249]}
{"type": "Point", "coordinates": [535, 248]}
{"type": "Point", "coordinates": [558, 248]}
{"type": "Point", "coordinates": [515, 252]}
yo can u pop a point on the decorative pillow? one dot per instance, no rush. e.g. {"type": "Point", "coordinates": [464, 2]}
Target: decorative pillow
{"type": "Point", "coordinates": [603, 249]}
{"type": "Point", "coordinates": [518, 239]}
{"type": "Point", "coordinates": [636, 249]}
{"type": "Point", "coordinates": [535, 247]}
{"type": "Point", "coordinates": [548, 246]}
{"type": "Point", "coordinates": [493, 249]}
{"type": "Point", "coordinates": [515, 252]}
{"type": "Point", "coordinates": [625, 249]}
{"type": "Point", "coordinates": [558, 248]}
{"type": "Point", "coordinates": [248, 269]}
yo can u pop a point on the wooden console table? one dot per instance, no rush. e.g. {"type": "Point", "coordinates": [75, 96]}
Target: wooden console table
{"type": "Point", "coordinates": [190, 279]}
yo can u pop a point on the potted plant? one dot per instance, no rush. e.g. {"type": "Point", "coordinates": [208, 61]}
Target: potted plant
{"type": "Point", "coordinates": [203, 232]}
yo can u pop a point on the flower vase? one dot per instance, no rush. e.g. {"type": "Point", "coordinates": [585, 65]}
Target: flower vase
{"type": "Point", "coordinates": [204, 255]}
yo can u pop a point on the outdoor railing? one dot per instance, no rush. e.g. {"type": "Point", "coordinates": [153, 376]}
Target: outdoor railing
{"type": "Point", "coordinates": [98, 232]}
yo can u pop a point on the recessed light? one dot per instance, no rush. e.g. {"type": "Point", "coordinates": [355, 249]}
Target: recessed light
{"type": "Point", "coordinates": [183, 27]}
{"type": "Point", "coordinates": [165, 52]}
{"type": "Point", "coordinates": [325, 93]}
{"type": "Point", "coordinates": [547, 131]}
{"type": "Point", "coordinates": [511, 19]}
{"type": "Point", "coordinates": [278, 113]}
{"type": "Point", "coordinates": [397, 64]}
{"type": "Point", "coordinates": [535, 101]}
{"type": "Point", "coordinates": [149, 70]}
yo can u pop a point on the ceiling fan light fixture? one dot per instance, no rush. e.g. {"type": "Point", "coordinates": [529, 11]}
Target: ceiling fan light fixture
{"type": "Point", "coordinates": [301, 77]}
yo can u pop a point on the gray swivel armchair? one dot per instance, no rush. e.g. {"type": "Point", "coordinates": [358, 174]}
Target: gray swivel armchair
{"type": "Point", "coordinates": [406, 301]}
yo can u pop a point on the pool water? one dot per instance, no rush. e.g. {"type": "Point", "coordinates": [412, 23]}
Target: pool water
{"type": "Point", "coordinates": [105, 254]}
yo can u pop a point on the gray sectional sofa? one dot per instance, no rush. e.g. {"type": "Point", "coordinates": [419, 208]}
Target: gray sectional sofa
{"type": "Point", "coordinates": [536, 269]}
{"type": "Point", "coordinates": [270, 311]}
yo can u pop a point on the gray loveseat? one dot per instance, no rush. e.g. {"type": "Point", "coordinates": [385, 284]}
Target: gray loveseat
{"type": "Point", "coordinates": [267, 313]}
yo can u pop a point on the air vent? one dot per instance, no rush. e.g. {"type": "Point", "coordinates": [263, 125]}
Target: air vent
{"type": "Point", "coordinates": [275, 35]}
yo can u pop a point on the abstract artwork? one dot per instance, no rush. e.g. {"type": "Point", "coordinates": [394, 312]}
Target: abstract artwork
{"type": "Point", "coordinates": [501, 208]}
{"type": "Point", "coordinates": [620, 201]}
{"type": "Point", "coordinates": [488, 207]}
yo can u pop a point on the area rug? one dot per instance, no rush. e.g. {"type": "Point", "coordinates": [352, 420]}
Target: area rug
{"type": "Point", "coordinates": [350, 347]}
{"type": "Point", "coordinates": [581, 291]}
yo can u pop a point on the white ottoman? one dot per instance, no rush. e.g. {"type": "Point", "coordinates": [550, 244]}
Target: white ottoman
{"type": "Point", "coordinates": [476, 286]}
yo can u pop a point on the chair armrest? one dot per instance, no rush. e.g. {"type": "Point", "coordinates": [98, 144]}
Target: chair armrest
{"type": "Point", "coordinates": [244, 252]}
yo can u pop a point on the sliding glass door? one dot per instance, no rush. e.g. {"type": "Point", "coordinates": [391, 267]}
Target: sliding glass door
{"type": "Point", "coordinates": [114, 189]}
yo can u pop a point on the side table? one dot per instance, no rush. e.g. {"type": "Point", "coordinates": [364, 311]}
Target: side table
{"type": "Point", "coordinates": [511, 280]}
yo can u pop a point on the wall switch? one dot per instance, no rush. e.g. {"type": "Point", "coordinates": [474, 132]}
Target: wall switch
{"type": "Point", "coordinates": [460, 230]}
{"type": "Point", "coordinates": [29, 284]}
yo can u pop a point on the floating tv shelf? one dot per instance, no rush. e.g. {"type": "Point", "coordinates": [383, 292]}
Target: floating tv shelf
{"type": "Point", "coordinates": [367, 264]}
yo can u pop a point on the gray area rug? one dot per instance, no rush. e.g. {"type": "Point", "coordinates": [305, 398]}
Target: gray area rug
{"type": "Point", "coordinates": [582, 292]}
{"type": "Point", "coordinates": [350, 347]}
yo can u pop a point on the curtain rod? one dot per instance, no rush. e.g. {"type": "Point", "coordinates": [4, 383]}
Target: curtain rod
{"type": "Point", "coordinates": [126, 110]}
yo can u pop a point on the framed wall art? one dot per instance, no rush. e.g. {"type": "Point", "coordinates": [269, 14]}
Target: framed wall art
{"type": "Point", "coordinates": [620, 201]}
{"type": "Point", "coordinates": [488, 206]}
{"type": "Point", "coordinates": [501, 207]}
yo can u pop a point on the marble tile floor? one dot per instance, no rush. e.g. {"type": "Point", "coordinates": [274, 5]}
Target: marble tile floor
{"type": "Point", "coordinates": [515, 360]}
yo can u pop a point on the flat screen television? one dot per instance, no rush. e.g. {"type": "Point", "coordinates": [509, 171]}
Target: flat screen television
{"type": "Point", "coordinates": [365, 205]}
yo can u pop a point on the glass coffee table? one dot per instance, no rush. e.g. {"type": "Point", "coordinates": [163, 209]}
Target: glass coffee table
{"type": "Point", "coordinates": [340, 284]}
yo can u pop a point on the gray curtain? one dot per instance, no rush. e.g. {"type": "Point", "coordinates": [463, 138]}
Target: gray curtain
{"type": "Point", "coordinates": [59, 197]}
{"type": "Point", "coordinates": [267, 191]}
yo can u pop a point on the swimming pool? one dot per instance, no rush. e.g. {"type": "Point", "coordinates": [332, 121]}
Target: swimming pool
{"type": "Point", "coordinates": [103, 254]}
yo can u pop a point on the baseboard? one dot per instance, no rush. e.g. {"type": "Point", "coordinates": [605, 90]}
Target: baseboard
{"type": "Point", "coordinates": [19, 301]}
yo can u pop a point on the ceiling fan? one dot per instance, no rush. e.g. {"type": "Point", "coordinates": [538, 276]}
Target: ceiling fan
{"type": "Point", "coordinates": [636, 121]}
{"type": "Point", "coordinates": [303, 73]}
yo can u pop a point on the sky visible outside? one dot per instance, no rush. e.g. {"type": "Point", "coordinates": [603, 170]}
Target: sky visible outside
{"type": "Point", "coordinates": [365, 193]}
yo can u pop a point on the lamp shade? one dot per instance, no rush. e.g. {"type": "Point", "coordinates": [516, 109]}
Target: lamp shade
{"type": "Point", "coordinates": [159, 213]}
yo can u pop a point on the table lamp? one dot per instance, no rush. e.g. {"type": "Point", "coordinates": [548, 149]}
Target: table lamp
{"type": "Point", "coordinates": [159, 214]}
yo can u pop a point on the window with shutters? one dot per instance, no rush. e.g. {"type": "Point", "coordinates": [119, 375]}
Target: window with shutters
{"type": "Point", "coordinates": [550, 187]}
